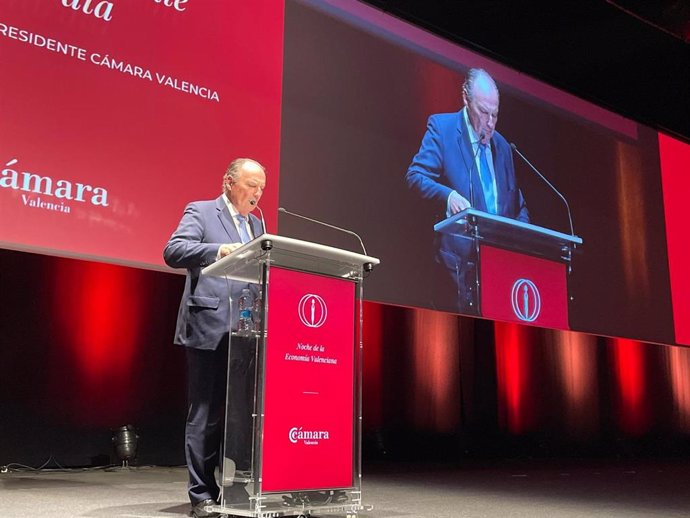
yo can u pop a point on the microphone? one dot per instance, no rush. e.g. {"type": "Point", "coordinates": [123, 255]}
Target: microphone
{"type": "Point", "coordinates": [281, 209]}
{"type": "Point", "coordinates": [473, 167]}
{"type": "Point", "coordinates": [261, 213]}
{"type": "Point", "coordinates": [570, 217]}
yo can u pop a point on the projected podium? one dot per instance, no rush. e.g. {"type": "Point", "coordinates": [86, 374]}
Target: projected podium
{"type": "Point", "coordinates": [521, 271]}
{"type": "Point", "coordinates": [304, 415]}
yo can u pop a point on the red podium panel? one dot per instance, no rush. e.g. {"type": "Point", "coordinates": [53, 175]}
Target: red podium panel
{"type": "Point", "coordinates": [516, 287]}
{"type": "Point", "coordinates": [309, 382]}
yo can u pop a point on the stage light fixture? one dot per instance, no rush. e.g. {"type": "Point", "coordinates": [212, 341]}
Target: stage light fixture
{"type": "Point", "coordinates": [125, 443]}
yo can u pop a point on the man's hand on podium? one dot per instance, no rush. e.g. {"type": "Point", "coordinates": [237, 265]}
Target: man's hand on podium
{"type": "Point", "coordinates": [457, 202]}
{"type": "Point", "coordinates": [227, 249]}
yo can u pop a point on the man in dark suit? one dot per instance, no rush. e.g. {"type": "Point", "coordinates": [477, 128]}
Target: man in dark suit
{"type": "Point", "coordinates": [208, 231]}
{"type": "Point", "coordinates": [463, 162]}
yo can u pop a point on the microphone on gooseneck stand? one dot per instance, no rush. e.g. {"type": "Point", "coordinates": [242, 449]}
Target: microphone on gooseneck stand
{"type": "Point", "coordinates": [367, 266]}
{"type": "Point", "coordinates": [473, 167]}
{"type": "Point", "coordinates": [567, 206]}
{"type": "Point", "coordinates": [261, 213]}
{"type": "Point", "coordinates": [281, 209]}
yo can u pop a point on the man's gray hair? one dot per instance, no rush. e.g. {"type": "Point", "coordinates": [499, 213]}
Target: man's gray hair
{"type": "Point", "coordinates": [472, 75]}
{"type": "Point", "coordinates": [233, 169]}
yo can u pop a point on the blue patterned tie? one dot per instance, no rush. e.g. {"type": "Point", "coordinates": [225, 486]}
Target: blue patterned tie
{"type": "Point", "coordinates": [487, 183]}
{"type": "Point", "coordinates": [242, 226]}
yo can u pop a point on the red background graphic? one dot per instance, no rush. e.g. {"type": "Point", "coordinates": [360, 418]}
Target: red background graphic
{"type": "Point", "coordinates": [307, 395]}
{"type": "Point", "coordinates": [152, 147]}
{"type": "Point", "coordinates": [675, 175]}
{"type": "Point", "coordinates": [499, 271]}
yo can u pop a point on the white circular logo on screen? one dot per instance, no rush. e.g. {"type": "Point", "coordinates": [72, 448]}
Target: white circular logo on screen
{"type": "Point", "coordinates": [312, 310]}
{"type": "Point", "coordinates": [526, 300]}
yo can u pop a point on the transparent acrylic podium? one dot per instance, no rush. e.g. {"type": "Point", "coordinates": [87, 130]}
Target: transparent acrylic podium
{"type": "Point", "coordinates": [293, 422]}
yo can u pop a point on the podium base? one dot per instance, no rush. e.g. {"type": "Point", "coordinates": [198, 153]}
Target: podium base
{"type": "Point", "coordinates": [276, 510]}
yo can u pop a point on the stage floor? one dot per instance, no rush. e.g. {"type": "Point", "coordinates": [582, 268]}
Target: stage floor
{"type": "Point", "coordinates": [406, 490]}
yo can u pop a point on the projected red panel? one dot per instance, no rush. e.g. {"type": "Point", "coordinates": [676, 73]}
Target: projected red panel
{"type": "Point", "coordinates": [113, 119]}
{"type": "Point", "coordinates": [308, 425]}
{"type": "Point", "coordinates": [521, 288]}
{"type": "Point", "coordinates": [675, 174]}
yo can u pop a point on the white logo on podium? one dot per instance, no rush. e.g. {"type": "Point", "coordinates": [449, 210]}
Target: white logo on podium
{"type": "Point", "coordinates": [312, 310]}
{"type": "Point", "coordinates": [308, 437]}
{"type": "Point", "coordinates": [526, 300]}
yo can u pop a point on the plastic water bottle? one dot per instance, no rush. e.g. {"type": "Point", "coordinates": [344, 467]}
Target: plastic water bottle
{"type": "Point", "coordinates": [245, 325]}
{"type": "Point", "coordinates": [256, 312]}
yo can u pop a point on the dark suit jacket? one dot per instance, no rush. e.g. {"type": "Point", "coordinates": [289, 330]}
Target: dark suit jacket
{"type": "Point", "coordinates": [204, 315]}
{"type": "Point", "coordinates": [444, 162]}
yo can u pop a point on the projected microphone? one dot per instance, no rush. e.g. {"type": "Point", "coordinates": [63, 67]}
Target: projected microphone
{"type": "Point", "coordinates": [570, 217]}
{"type": "Point", "coordinates": [281, 209]}
{"type": "Point", "coordinates": [473, 167]}
{"type": "Point", "coordinates": [261, 213]}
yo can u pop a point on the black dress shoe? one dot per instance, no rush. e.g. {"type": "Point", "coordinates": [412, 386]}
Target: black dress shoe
{"type": "Point", "coordinates": [198, 511]}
